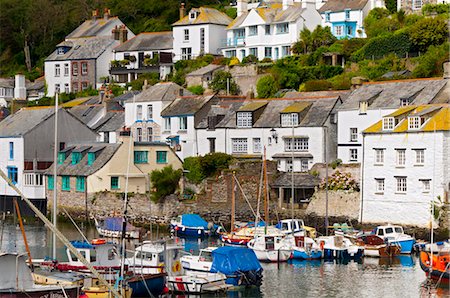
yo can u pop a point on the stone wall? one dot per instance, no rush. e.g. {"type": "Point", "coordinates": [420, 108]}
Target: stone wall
{"type": "Point", "coordinates": [246, 76]}
{"type": "Point", "coordinates": [340, 204]}
{"type": "Point", "coordinates": [353, 169]}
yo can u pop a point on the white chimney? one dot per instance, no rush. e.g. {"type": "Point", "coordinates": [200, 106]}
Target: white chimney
{"type": "Point", "coordinates": [20, 91]}
{"type": "Point", "coordinates": [241, 7]}
{"type": "Point", "coordinates": [287, 3]}
{"type": "Point", "coordinates": [309, 5]}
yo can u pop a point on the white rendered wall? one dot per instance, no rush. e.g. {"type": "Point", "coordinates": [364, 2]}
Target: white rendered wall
{"type": "Point", "coordinates": [131, 111]}
{"type": "Point", "coordinates": [412, 207]}
{"type": "Point", "coordinates": [51, 79]}
{"type": "Point", "coordinates": [188, 140]}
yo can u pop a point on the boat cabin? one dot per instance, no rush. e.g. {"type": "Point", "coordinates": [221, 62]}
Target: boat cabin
{"type": "Point", "coordinates": [103, 254]}
{"type": "Point", "coordinates": [388, 231]}
{"type": "Point", "coordinates": [291, 225]}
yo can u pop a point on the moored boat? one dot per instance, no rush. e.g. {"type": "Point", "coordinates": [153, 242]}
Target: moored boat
{"type": "Point", "coordinates": [292, 226]}
{"type": "Point", "coordinates": [395, 235]}
{"type": "Point", "coordinates": [305, 248]}
{"type": "Point", "coordinates": [436, 266]}
{"type": "Point", "coordinates": [374, 246]}
{"type": "Point", "coordinates": [339, 247]}
{"type": "Point", "coordinates": [111, 227]}
{"type": "Point", "coordinates": [272, 248]}
{"type": "Point", "coordinates": [192, 225]}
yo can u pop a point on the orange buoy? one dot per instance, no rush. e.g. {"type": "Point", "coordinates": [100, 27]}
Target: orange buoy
{"type": "Point", "coordinates": [98, 241]}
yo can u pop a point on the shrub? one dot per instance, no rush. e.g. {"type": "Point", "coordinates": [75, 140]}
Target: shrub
{"type": "Point", "coordinates": [197, 89]}
{"type": "Point", "coordinates": [430, 64]}
{"type": "Point", "coordinates": [428, 32]}
{"type": "Point", "coordinates": [266, 60]}
{"type": "Point", "coordinates": [340, 181]}
{"type": "Point", "coordinates": [342, 81]}
{"type": "Point", "coordinates": [250, 59]}
{"type": "Point", "coordinates": [233, 61]}
{"type": "Point", "coordinates": [398, 43]}
{"type": "Point", "coordinates": [436, 8]}
{"type": "Point", "coordinates": [266, 87]}
{"type": "Point", "coordinates": [212, 163]}
{"type": "Point", "coordinates": [316, 85]}
{"type": "Point", "coordinates": [151, 77]}
{"type": "Point", "coordinates": [219, 82]}
{"type": "Point", "coordinates": [193, 165]}
{"type": "Point", "coordinates": [335, 163]}
{"type": "Point", "coordinates": [164, 182]}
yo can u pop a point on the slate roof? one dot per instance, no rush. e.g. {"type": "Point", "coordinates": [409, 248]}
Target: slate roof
{"type": "Point", "coordinates": [6, 83]}
{"type": "Point", "coordinates": [387, 94]}
{"type": "Point", "coordinates": [438, 118]}
{"type": "Point", "coordinates": [207, 16]}
{"type": "Point", "coordinates": [301, 180]}
{"type": "Point", "coordinates": [85, 113]}
{"type": "Point", "coordinates": [38, 84]}
{"type": "Point", "coordinates": [83, 48]}
{"type": "Point", "coordinates": [112, 121]}
{"type": "Point", "coordinates": [222, 105]}
{"type": "Point", "coordinates": [341, 5]}
{"type": "Point", "coordinates": [205, 70]}
{"type": "Point", "coordinates": [318, 94]}
{"type": "Point", "coordinates": [99, 27]}
{"type": "Point", "coordinates": [4, 112]}
{"type": "Point", "coordinates": [271, 13]}
{"type": "Point", "coordinates": [147, 41]}
{"type": "Point", "coordinates": [24, 121]}
{"type": "Point", "coordinates": [316, 116]}
{"type": "Point", "coordinates": [185, 105]}
{"type": "Point", "coordinates": [166, 91]}
{"type": "Point", "coordinates": [82, 168]}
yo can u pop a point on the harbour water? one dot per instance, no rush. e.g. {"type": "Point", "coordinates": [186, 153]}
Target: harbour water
{"type": "Point", "coordinates": [398, 277]}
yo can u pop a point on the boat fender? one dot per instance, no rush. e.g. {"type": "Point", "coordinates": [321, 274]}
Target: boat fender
{"type": "Point", "coordinates": [183, 229]}
{"type": "Point", "coordinates": [176, 266]}
{"type": "Point", "coordinates": [161, 267]}
{"type": "Point", "coordinates": [199, 232]}
{"type": "Point", "coordinates": [322, 245]}
{"type": "Point", "coordinates": [98, 241]}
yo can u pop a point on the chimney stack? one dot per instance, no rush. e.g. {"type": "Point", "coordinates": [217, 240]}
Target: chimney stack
{"type": "Point", "coordinates": [20, 91]}
{"type": "Point", "coordinates": [446, 70]}
{"type": "Point", "coordinates": [182, 10]}
{"type": "Point", "coordinates": [94, 14]}
{"type": "Point", "coordinates": [106, 14]}
{"type": "Point", "coordinates": [123, 34]}
{"type": "Point", "coordinates": [241, 7]}
{"type": "Point", "coordinates": [287, 3]}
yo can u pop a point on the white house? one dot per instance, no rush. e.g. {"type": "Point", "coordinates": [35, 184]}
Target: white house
{"type": "Point", "coordinates": [345, 17]}
{"type": "Point", "coordinates": [243, 128]}
{"type": "Point", "coordinates": [82, 59]}
{"type": "Point", "coordinates": [200, 32]}
{"type": "Point", "coordinates": [406, 165]}
{"type": "Point", "coordinates": [146, 52]}
{"type": "Point", "coordinates": [270, 29]}
{"type": "Point", "coordinates": [26, 149]}
{"type": "Point", "coordinates": [180, 118]}
{"type": "Point", "coordinates": [371, 101]}
{"type": "Point", "coordinates": [415, 6]}
{"type": "Point", "coordinates": [143, 111]}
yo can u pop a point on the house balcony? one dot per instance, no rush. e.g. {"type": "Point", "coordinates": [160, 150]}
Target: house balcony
{"type": "Point", "coordinates": [119, 70]}
{"type": "Point", "coordinates": [234, 42]}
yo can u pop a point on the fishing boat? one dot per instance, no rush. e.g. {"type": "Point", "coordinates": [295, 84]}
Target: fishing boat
{"type": "Point", "coordinates": [239, 264]}
{"type": "Point", "coordinates": [436, 265]}
{"type": "Point", "coordinates": [272, 248]}
{"type": "Point", "coordinates": [111, 227]}
{"type": "Point", "coordinates": [375, 246]}
{"type": "Point", "coordinates": [395, 235]}
{"type": "Point", "coordinates": [292, 226]}
{"type": "Point", "coordinates": [305, 248]}
{"type": "Point", "coordinates": [192, 225]}
{"type": "Point", "coordinates": [198, 283]}
{"type": "Point", "coordinates": [17, 281]}
{"type": "Point", "coordinates": [339, 247]}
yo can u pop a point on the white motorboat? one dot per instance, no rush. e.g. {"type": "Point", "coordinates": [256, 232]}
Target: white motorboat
{"type": "Point", "coordinates": [395, 235]}
{"type": "Point", "coordinates": [339, 247]}
{"type": "Point", "coordinates": [292, 226]}
{"type": "Point", "coordinates": [272, 248]}
{"type": "Point", "coordinates": [198, 283]}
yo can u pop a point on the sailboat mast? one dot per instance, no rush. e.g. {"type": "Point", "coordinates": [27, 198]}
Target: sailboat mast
{"type": "Point", "coordinates": [266, 203]}
{"type": "Point", "coordinates": [233, 202]}
{"type": "Point", "coordinates": [292, 176]}
{"type": "Point", "coordinates": [55, 178]}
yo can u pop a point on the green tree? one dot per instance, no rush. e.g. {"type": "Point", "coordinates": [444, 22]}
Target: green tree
{"type": "Point", "coordinates": [164, 182]}
{"type": "Point", "coordinates": [197, 89]}
{"type": "Point", "coordinates": [194, 169]}
{"type": "Point", "coordinates": [304, 44]}
{"type": "Point", "coordinates": [311, 41]}
{"type": "Point", "coordinates": [430, 64]}
{"type": "Point", "coordinates": [378, 22]}
{"type": "Point", "coordinates": [223, 80]}
{"type": "Point", "coordinates": [427, 32]}
{"type": "Point", "coordinates": [266, 86]}
{"type": "Point", "coordinates": [212, 163]}
{"type": "Point", "coordinates": [391, 5]}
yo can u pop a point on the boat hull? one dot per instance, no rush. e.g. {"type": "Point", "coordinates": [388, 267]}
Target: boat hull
{"type": "Point", "coordinates": [406, 245]}
{"type": "Point", "coordinates": [142, 284]}
{"type": "Point", "coordinates": [280, 255]}
{"type": "Point", "coordinates": [39, 293]}
{"type": "Point", "coordinates": [331, 254]}
{"type": "Point", "coordinates": [192, 284]}
{"type": "Point", "coordinates": [189, 232]}
{"type": "Point", "coordinates": [301, 254]}
{"type": "Point", "coordinates": [440, 271]}
{"type": "Point", "coordinates": [235, 240]}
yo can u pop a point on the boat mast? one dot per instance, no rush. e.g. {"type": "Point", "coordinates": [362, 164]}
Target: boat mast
{"type": "Point", "coordinates": [233, 202]}
{"type": "Point", "coordinates": [432, 200]}
{"type": "Point", "coordinates": [55, 179]}
{"type": "Point", "coordinates": [266, 203]}
{"type": "Point", "coordinates": [292, 175]}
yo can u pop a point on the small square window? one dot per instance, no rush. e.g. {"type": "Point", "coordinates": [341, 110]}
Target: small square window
{"type": "Point", "coordinates": [115, 182]}
{"type": "Point", "coordinates": [353, 154]}
{"type": "Point", "coordinates": [65, 183]}
{"type": "Point", "coordinates": [401, 184]}
{"type": "Point", "coordinates": [161, 156]}
{"type": "Point", "coordinates": [379, 186]}
{"type": "Point", "coordinates": [426, 185]}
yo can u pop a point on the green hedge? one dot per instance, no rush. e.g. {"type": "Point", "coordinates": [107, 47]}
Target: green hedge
{"type": "Point", "coordinates": [398, 43]}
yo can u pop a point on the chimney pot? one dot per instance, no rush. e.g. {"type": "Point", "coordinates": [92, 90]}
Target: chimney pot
{"type": "Point", "coordinates": [182, 10]}
{"type": "Point", "coordinates": [106, 13]}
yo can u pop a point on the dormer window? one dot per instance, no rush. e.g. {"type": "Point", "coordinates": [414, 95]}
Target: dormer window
{"type": "Point", "coordinates": [363, 107]}
{"type": "Point", "coordinates": [289, 119]}
{"type": "Point", "coordinates": [60, 51]}
{"type": "Point", "coordinates": [76, 157]}
{"type": "Point", "coordinates": [61, 157]}
{"type": "Point", "coordinates": [347, 14]}
{"type": "Point", "coordinates": [244, 119]}
{"type": "Point", "coordinates": [404, 102]}
{"type": "Point", "coordinates": [415, 122]}
{"type": "Point", "coordinates": [388, 123]}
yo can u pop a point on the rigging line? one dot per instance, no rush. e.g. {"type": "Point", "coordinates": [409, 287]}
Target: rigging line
{"type": "Point", "coordinates": [245, 197]}
{"type": "Point", "coordinates": [73, 222]}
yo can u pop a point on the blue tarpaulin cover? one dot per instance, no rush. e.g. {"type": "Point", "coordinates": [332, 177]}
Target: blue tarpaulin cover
{"type": "Point", "coordinates": [193, 220]}
{"type": "Point", "coordinates": [115, 224]}
{"type": "Point", "coordinates": [228, 260]}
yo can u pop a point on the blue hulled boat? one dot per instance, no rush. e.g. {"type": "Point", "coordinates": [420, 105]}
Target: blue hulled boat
{"type": "Point", "coordinates": [394, 235]}
{"type": "Point", "coordinates": [192, 225]}
{"type": "Point", "coordinates": [143, 284]}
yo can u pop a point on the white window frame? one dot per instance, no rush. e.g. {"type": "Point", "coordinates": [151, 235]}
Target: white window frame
{"type": "Point", "coordinates": [282, 28]}
{"type": "Point", "coordinates": [289, 165]}
{"type": "Point", "coordinates": [139, 112]}
{"type": "Point", "coordinates": [57, 88]}
{"type": "Point", "coordinates": [244, 119]}
{"type": "Point", "coordinates": [327, 16]}
{"type": "Point", "coordinates": [404, 102]}
{"type": "Point", "coordinates": [363, 107]}
{"type": "Point", "coordinates": [388, 123]}
{"type": "Point", "coordinates": [253, 30]}
{"type": "Point", "coordinates": [84, 68]}
{"type": "Point", "coordinates": [239, 145]}
{"type": "Point", "coordinates": [268, 52]}
{"type": "Point", "coordinates": [353, 134]}
{"type": "Point", "coordinates": [304, 165]}
{"type": "Point", "coordinates": [149, 112]}
{"type": "Point", "coordinates": [353, 154]}
{"type": "Point", "coordinates": [253, 51]}
{"type": "Point", "coordinates": [379, 185]}
{"type": "Point", "coordinates": [139, 134]}
{"type": "Point", "coordinates": [401, 184]}
{"type": "Point", "coordinates": [186, 34]}
{"type": "Point", "coordinates": [417, 4]}
{"type": "Point", "coordinates": [257, 146]}
{"type": "Point", "coordinates": [338, 30]}
{"type": "Point", "coordinates": [66, 69]}
{"type": "Point", "coordinates": [426, 185]}
{"type": "Point", "coordinates": [285, 51]}
{"type": "Point", "coordinates": [167, 124]}
{"type": "Point", "coordinates": [300, 144]}
{"type": "Point", "coordinates": [149, 134]}
{"type": "Point", "coordinates": [289, 119]}
{"type": "Point", "coordinates": [60, 51]}
{"type": "Point", "coordinates": [267, 30]}
{"type": "Point", "coordinates": [186, 53]}
{"type": "Point", "coordinates": [400, 157]}
{"type": "Point", "coordinates": [420, 157]}
{"type": "Point", "coordinates": [183, 123]}
{"type": "Point", "coordinates": [66, 88]}
{"type": "Point", "coordinates": [379, 156]}
{"type": "Point", "coordinates": [414, 122]}
{"type": "Point", "coordinates": [57, 70]}
{"type": "Point", "coordinates": [347, 14]}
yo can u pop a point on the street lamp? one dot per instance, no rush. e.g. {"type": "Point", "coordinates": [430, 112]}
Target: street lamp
{"type": "Point", "coordinates": [274, 134]}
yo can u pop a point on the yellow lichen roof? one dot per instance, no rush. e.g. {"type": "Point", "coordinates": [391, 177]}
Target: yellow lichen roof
{"type": "Point", "coordinates": [296, 107]}
{"type": "Point", "coordinates": [206, 16]}
{"type": "Point", "coordinates": [252, 106]}
{"type": "Point", "coordinates": [75, 102]}
{"type": "Point", "coordinates": [439, 119]}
